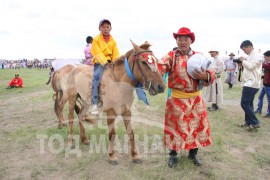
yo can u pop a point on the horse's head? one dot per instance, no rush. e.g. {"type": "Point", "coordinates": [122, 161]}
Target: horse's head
{"type": "Point", "coordinates": [143, 66]}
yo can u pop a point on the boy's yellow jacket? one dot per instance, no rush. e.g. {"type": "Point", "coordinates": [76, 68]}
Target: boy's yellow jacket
{"type": "Point", "coordinates": [103, 51]}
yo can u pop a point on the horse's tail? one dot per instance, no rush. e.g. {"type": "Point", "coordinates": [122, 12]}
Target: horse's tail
{"type": "Point", "coordinates": [58, 91]}
{"type": "Point", "coordinates": [55, 82]}
{"type": "Point", "coordinates": [77, 107]}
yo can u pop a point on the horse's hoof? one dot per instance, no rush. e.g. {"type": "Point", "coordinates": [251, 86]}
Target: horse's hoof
{"type": "Point", "coordinates": [86, 142]}
{"type": "Point", "coordinates": [137, 161]}
{"type": "Point", "coordinates": [71, 146]}
{"type": "Point", "coordinates": [113, 162]}
{"type": "Point", "coordinates": [59, 126]}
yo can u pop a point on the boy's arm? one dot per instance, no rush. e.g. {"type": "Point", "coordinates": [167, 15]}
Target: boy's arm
{"type": "Point", "coordinates": [97, 53]}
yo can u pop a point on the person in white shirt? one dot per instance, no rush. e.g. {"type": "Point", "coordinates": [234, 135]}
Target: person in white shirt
{"type": "Point", "coordinates": [214, 92]}
{"type": "Point", "coordinates": [251, 81]}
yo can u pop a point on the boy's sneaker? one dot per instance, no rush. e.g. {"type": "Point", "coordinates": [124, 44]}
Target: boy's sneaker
{"type": "Point", "coordinates": [94, 110]}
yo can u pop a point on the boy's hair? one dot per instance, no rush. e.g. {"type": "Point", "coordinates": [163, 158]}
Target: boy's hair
{"type": "Point", "coordinates": [104, 21]}
{"type": "Point", "coordinates": [89, 39]}
{"type": "Point", "coordinates": [267, 53]}
{"type": "Point", "coordinates": [246, 43]}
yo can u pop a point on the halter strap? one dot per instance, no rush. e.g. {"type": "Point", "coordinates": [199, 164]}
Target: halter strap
{"type": "Point", "coordinates": [128, 70]}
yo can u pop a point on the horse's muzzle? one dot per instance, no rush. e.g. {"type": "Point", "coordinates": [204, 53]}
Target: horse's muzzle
{"type": "Point", "coordinates": [160, 88]}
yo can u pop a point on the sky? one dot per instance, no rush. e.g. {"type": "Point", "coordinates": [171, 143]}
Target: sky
{"type": "Point", "coordinates": [58, 28]}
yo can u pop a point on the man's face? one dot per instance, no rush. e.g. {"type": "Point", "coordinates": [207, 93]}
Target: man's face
{"type": "Point", "coordinates": [105, 29]}
{"type": "Point", "coordinates": [247, 50]}
{"type": "Point", "coordinates": [183, 43]}
{"type": "Point", "coordinates": [213, 53]}
{"type": "Point", "coordinates": [231, 56]}
{"type": "Point", "coordinates": [16, 76]}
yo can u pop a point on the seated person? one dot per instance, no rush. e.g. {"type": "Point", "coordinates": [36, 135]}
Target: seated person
{"type": "Point", "coordinates": [16, 82]}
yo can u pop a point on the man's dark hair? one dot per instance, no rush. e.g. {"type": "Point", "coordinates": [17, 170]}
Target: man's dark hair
{"type": "Point", "coordinates": [267, 53]}
{"type": "Point", "coordinates": [246, 43]}
{"type": "Point", "coordinates": [89, 39]}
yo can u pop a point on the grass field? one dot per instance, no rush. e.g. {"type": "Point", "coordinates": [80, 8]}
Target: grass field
{"type": "Point", "coordinates": [32, 147]}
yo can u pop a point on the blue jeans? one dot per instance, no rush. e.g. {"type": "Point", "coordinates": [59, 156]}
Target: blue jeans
{"type": "Point", "coordinates": [247, 99]}
{"type": "Point", "coordinates": [98, 71]}
{"type": "Point", "coordinates": [264, 90]}
{"type": "Point", "coordinates": [260, 100]}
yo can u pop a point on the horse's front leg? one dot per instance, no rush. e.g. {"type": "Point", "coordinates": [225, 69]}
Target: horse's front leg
{"type": "Point", "coordinates": [127, 121]}
{"type": "Point", "coordinates": [111, 127]}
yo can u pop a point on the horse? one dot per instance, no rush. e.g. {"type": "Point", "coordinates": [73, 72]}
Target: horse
{"type": "Point", "coordinates": [116, 92]}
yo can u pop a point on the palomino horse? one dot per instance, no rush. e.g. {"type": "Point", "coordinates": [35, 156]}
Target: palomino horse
{"type": "Point", "coordinates": [59, 85]}
{"type": "Point", "coordinates": [117, 87]}
{"type": "Point", "coordinates": [62, 95]}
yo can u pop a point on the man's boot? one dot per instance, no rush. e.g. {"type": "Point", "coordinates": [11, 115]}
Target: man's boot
{"type": "Point", "coordinates": [172, 159]}
{"type": "Point", "coordinates": [193, 157]}
{"type": "Point", "coordinates": [214, 107]}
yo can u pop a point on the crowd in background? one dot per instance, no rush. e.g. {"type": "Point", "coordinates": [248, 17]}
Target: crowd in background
{"type": "Point", "coordinates": [24, 63]}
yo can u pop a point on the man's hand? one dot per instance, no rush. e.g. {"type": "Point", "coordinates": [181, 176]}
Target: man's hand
{"type": "Point", "coordinates": [241, 58]}
{"type": "Point", "coordinates": [201, 75]}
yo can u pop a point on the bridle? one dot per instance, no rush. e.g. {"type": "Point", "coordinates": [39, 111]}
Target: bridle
{"type": "Point", "coordinates": [130, 71]}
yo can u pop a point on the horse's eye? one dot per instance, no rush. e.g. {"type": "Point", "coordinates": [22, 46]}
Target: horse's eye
{"type": "Point", "coordinates": [145, 63]}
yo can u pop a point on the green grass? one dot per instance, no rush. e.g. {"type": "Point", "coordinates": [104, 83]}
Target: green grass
{"type": "Point", "coordinates": [28, 112]}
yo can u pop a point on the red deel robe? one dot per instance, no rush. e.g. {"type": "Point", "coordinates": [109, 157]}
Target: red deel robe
{"type": "Point", "coordinates": [16, 82]}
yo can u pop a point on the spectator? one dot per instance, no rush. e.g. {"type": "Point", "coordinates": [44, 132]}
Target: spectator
{"type": "Point", "coordinates": [16, 82]}
{"type": "Point", "coordinates": [231, 69]}
{"type": "Point", "coordinates": [266, 85]}
{"type": "Point", "coordinates": [214, 92]}
{"type": "Point", "coordinates": [251, 83]}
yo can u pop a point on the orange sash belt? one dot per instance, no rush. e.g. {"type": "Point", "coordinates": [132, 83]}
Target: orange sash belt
{"type": "Point", "coordinates": [181, 94]}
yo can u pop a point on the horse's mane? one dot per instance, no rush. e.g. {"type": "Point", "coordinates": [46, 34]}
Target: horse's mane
{"type": "Point", "coordinates": [144, 46]}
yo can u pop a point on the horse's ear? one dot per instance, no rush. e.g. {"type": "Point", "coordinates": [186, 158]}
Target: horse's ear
{"type": "Point", "coordinates": [135, 46]}
{"type": "Point", "coordinates": [146, 45]}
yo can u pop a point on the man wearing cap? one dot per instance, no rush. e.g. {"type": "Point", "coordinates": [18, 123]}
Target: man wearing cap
{"type": "Point", "coordinates": [251, 81]}
{"type": "Point", "coordinates": [231, 69]}
{"type": "Point", "coordinates": [16, 82]}
{"type": "Point", "coordinates": [266, 85]}
{"type": "Point", "coordinates": [104, 50]}
{"type": "Point", "coordinates": [186, 121]}
{"type": "Point", "coordinates": [214, 92]}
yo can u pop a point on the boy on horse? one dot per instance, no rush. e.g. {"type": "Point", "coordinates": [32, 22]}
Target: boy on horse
{"type": "Point", "coordinates": [87, 53]}
{"type": "Point", "coordinates": [104, 50]}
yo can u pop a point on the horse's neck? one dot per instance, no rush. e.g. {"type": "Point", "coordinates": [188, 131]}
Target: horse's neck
{"type": "Point", "coordinates": [119, 74]}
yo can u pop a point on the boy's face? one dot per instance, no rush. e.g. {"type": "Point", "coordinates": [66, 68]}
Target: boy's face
{"type": "Point", "coordinates": [267, 58]}
{"type": "Point", "coordinates": [105, 29]}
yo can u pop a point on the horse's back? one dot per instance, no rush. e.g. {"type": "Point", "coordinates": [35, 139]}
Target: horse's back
{"type": "Point", "coordinates": [82, 78]}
